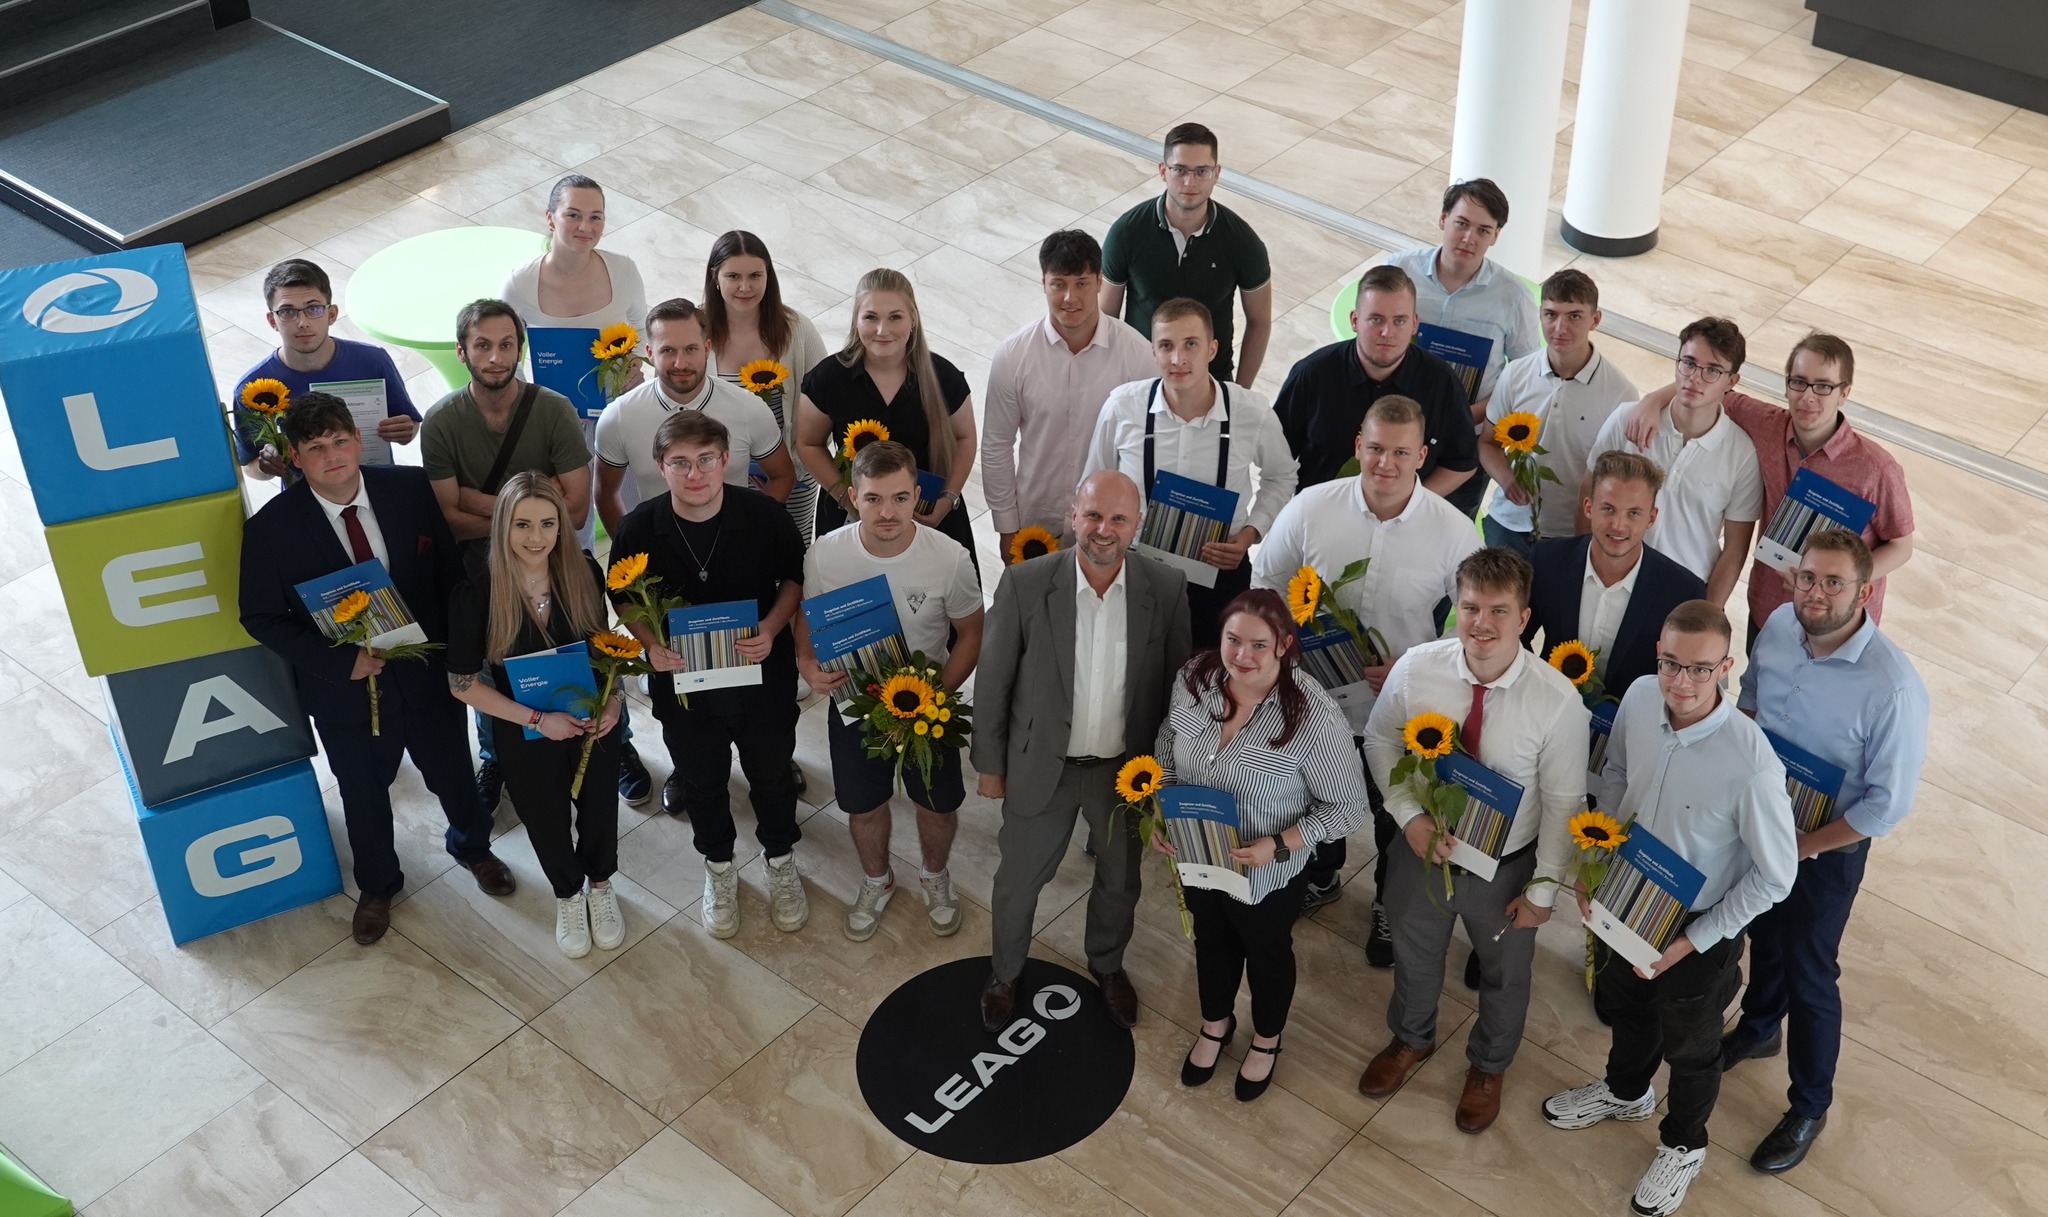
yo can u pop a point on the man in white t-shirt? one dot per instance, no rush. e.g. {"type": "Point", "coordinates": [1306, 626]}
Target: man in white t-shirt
{"type": "Point", "coordinates": [1713, 490]}
{"type": "Point", "coordinates": [628, 472]}
{"type": "Point", "coordinates": [937, 596]}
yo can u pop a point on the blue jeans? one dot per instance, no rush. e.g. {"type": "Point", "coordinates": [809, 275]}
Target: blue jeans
{"type": "Point", "coordinates": [1795, 975]}
{"type": "Point", "coordinates": [1507, 538]}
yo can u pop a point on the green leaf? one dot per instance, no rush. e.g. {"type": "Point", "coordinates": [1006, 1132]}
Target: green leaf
{"type": "Point", "coordinates": [1450, 801]}
{"type": "Point", "coordinates": [1352, 573]}
{"type": "Point", "coordinates": [1545, 474]}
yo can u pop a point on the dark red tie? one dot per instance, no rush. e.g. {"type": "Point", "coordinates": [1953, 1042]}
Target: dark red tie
{"type": "Point", "coordinates": [1469, 736]}
{"type": "Point", "coordinates": [358, 540]}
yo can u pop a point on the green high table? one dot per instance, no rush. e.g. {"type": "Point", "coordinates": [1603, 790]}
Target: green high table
{"type": "Point", "coordinates": [407, 294]}
{"type": "Point", "coordinates": [21, 1195]}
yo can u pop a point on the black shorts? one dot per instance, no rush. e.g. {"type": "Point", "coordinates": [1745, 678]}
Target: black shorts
{"type": "Point", "coordinates": [864, 783]}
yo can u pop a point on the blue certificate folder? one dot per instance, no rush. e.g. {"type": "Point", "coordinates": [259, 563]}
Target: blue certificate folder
{"type": "Point", "coordinates": [1181, 516]}
{"type": "Point", "coordinates": [855, 629]}
{"type": "Point", "coordinates": [704, 635]}
{"type": "Point", "coordinates": [391, 622]}
{"type": "Point", "coordinates": [1813, 784]}
{"type": "Point", "coordinates": [551, 680]}
{"type": "Point", "coordinates": [1202, 826]}
{"type": "Point", "coordinates": [562, 361]}
{"type": "Point", "coordinates": [1603, 731]}
{"type": "Point", "coordinates": [1640, 906]}
{"type": "Point", "coordinates": [1468, 354]}
{"type": "Point", "coordinates": [1811, 503]}
{"type": "Point", "coordinates": [1490, 805]}
{"type": "Point", "coordinates": [929, 487]}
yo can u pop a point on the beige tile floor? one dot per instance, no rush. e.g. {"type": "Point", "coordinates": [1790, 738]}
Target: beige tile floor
{"type": "Point", "coordinates": [463, 1067]}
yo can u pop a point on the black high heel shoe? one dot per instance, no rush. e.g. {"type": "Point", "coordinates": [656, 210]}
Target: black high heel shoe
{"type": "Point", "coordinates": [1247, 1090]}
{"type": "Point", "coordinates": [1192, 1074]}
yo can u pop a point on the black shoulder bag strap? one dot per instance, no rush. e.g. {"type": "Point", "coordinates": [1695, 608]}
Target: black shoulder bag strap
{"type": "Point", "coordinates": [496, 477]}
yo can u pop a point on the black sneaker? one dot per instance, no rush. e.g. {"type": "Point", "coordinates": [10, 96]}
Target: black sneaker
{"type": "Point", "coordinates": [1379, 949]}
{"type": "Point", "coordinates": [635, 783]}
{"type": "Point", "coordinates": [1316, 895]}
{"type": "Point", "coordinates": [796, 773]}
{"type": "Point", "coordinates": [490, 786]}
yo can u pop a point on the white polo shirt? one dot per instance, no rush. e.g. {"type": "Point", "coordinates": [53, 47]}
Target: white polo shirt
{"type": "Point", "coordinates": [1191, 449]}
{"type": "Point", "coordinates": [1706, 481]}
{"type": "Point", "coordinates": [1572, 409]}
{"type": "Point", "coordinates": [625, 431]}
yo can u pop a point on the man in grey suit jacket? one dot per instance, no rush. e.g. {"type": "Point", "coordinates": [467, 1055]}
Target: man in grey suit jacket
{"type": "Point", "coordinates": [1077, 662]}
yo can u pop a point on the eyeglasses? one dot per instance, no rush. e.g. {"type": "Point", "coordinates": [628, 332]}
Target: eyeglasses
{"type": "Point", "coordinates": [1707, 373]}
{"type": "Point", "coordinates": [1200, 173]}
{"type": "Point", "coordinates": [705, 464]}
{"type": "Point", "coordinates": [1819, 388]}
{"type": "Point", "coordinates": [1698, 673]}
{"type": "Point", "coordinates": [1833, 585]}
{"type": "Point", "coordinates": [285, 312]}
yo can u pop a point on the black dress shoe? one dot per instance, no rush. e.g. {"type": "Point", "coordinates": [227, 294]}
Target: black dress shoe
{"type": "Point", "coordinates": [1247, 1090]}
{"type": "Point", "coordinates": [1192, 1074]}
{"type": "Point", "coordinates": [796, 776]}
{"type": "Point", "coordinates": [1735, 1049]}
{"type": "Point", "coordinates": [1472, 971]}
{"type": "Point", "coordinates": [1121, 998]}
{"type": "Point", "coordinates": [1787, 1144]}
{"type": "Point", "coordinates": [1379, 946]}
{"type": "Point", "coordinates": [998, 1004]}
{"type": "Point", "coordinates": [672, 797]}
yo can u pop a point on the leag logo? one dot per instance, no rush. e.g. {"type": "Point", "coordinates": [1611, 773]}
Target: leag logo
{"type": "Point", "coordinates": [137, 293]}
{"type": "Point", "coordinates": [271, 853]}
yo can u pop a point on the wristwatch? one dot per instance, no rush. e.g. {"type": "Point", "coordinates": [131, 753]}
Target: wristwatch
{"type": "Point", "coordinates": [1280, 851]}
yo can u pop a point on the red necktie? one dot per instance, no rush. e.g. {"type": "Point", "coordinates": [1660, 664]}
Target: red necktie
{"type": "Point", "coordinates": [1469, 736]}
{"type": "Point", "coordinates": [358, 540]}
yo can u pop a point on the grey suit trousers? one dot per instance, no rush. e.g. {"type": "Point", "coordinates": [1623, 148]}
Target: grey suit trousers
{"type": "Point", "coordinates": [1422, 934]}
{"type": "Point", "coordinates": [1034, 845]}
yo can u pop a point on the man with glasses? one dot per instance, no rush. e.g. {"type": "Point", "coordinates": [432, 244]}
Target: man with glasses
{"type": "Point", "coordinates": [1813, 434]}
{"type": "Point", "coordinates": [1825, 680]}
{"type": "Point", "coordinates": [1713, 492]}
{"type": "Point", "coordinates": [1184, 243]}
{"type": "Point", "coordinates": [299, 304]}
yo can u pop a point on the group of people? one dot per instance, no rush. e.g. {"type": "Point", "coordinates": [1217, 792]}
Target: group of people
{"type": "Point", "coordinates": [1374, 450]}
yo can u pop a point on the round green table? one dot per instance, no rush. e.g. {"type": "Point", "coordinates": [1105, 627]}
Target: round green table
{"type": "Point", "coordinates": [407, 294]}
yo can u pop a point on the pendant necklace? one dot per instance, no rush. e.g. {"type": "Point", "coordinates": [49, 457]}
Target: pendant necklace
{"type": "Point", "coordinates": [703, 563]}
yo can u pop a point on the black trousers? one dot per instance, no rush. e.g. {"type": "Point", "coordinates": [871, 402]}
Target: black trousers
{"type": "Point", "coordinates": [1234, 940]}
{"type": "Point", "coordinates": [1206, 604]}
{"type": "Point", "coordinates": [1673, 1019]}
{"type": "Point", "coordinates": [428, 726]}
{"type": "Point", "coordinates": [538, 773]}
{"type": "Point", "coordinates": [1330, 856]}
{"type": "Point", "coordinates": [701, 740]}
{"type": "Point", "coordinates": [1795, 970]}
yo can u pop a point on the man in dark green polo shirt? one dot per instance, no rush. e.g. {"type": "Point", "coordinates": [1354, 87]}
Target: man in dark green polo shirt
{"type": "Point", "coordinates": [1184, 243]}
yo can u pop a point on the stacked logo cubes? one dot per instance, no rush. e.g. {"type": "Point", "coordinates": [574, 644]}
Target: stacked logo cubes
{"type": "Point", "coordinates": [104, 369]}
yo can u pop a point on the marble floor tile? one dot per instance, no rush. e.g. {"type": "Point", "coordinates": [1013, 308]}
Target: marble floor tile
{"type": "Point", "coordinates": [954, 30]}
{"type": "Point", "coordinates": [800, 139]}
{"type": "Point", "coordinates": [1324, 32]}
{"type": "Point", "coordinates": [1981, 744]}
{"type": "Point", "coordinates": [1958, 317]}
{"type": "Point", "coordinates": [1850, 84]}
{"type": "Point", "coordinates": [462, 175]}
{"type": "Point", "coordinates": [1077, 172]}
{"type": "Point", "coordinates": [1121, 27]}
{"type": "Point", "coordinates": [658, 168]}
{"type": "Point", "coordinates": [791, 1122]}
{"type": "Point", "coordinates": [1777, 14]}
{"type": "Point", "coordinates": [1755, 245]}
{"type": "Point", "coordinates": [2025, 201]}
{"type": "Point", "coordinates": [1669, 291]}
{"type": "Point", "coordinates": [1721, 41]}
{"type": "Point", "coordinates": [1887, 219]}
{"type": "Point", "coordinates": [352, 1187]}
{"type": "Point", "coordinates": [930, 1187]}
{"type": "Point", "coordinates": [1400, 124]}
{"type": "Point", "coordinates": [1414, 206]}
{"type": "Point", "coordinates": [731, 34]}
{"type": "Point", "coordinates": [34, 630]}
{"type": "Point", "coordinates": [669, 1177]}
{"type": "Point", "coordinates": [895, 178]}
{"type": "Point", "coordinates": [801, 62]}
{"type": "Point", "coordinates": [231, 255]}
{"type": "Point", "coordinates": [1257, 134]}
{"type": "Point", "coordinates": [1337, 171]}
{"type": "Point", "coordinates": [1945, 171]}
{"type": "Point", "coordinates": [213, 977]}
{"type": "Point", "coordinates": [1308, 90]}
{"type": "Point", "coordinates": [1692, 145]}
{"type": "Point", "coordinates": [338, 208]}
{"type": "Point", "coordinates": [1973, 524]}
{"type": "Point", "coordinates": [1967, 622]}
{"type": "Point", "coordinates": [1414, 61]}
{"type": "Point", "coordinates": [1996, 252]}
{"type": "Point", "coordinates": [660, 854]}
{"type": "Point", "coordinates": [528, 208]}
{"type": "Point", "coordinates": [1240, 16]}
{"type": "Point", "coordinates": [1789, 61]}
{"type": "Point", "coordinates": [1785, 184]}
{"type": "Point", "coordinates": [138, 1075]}
{"type": "Point", "coordinates": [1041, 62]}
{"type": "Point", "coordinates": [992, 219]}
{"type": "Point", "coordinates": [419, 833]}
{"type": "Point", "coordinates": [58, 980]}
{"type": "Point", "coordinates": [240, 1164]}
{"type": "Point", "coordinates": [622, 1023]}
{"type": "Point", "coordinates": [474, 190]}
{"type": "Point", "coordinates": [518, 1134]}
{"type": "Point", "coordinates": [10, 891]}
{"type": "Point", "coordinates": [971, 299]}
{"type": "Point", "coordinates": [1136, 97]}
{"type": "Point", "coordinates": [54, 751]}
{"type": "Point", "coordinates": [1938, 109]}
{"type": "Point", "coordinates": [361, 1034]}
{"type": "Point", "coordinates": [1724, 101]}
{"type": "Point", "coordinates": [2023, 137]}
{"type": "Point", "coordinates": [22, 547]}
{"type": "Point", "coordinates": [888, 97]}
{"type": "Point", "coordinates": [1364, 1180]}
{"type": "Point", "coordinates": [633, 78]}
{"type": "Point", "coordinates": [671, 253]}
{"type": "Point", "coordinates": [1829, 134]}
{"type": "Point", "coordinates": [85, 858]}
{"type": "Point", "coordinates": [1962, 862]}
{"type": "Point", "coordinates": [975, 855]}
{"type": "Point", "coordinates": [1224, 57]}
{"type": "Point", "coordinates": [866, 14]}
{"type": "Point", "coordinates": [712, 104]}
{"type": "Point", "coordinates": [821, 235]}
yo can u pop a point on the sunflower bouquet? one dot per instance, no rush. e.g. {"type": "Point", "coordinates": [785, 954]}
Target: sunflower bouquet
{"type": "Point", "coordinates": [617, 348]}
{"type": "Point", "coordinates": [1137, 786]}
{"type": "Point", "coordinates": [261, 411]}
{"type": "Point", "coordinates": [1426, 737]}
{"type": "Point", "coordinates": [905, 714]}
{"type": "Point", "coordinates": [1516, 434]}
{"type": "Point", "coordinates": [613, 657]}
{"type": "Point", "coordinates": [1031, 541]}
{"type": "Point", "coordinates": [355, 627]}
{"type": "Point", "coordinates": [645, 605]}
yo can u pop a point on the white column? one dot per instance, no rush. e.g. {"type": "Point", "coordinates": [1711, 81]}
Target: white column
{"type": "Point", "coordinates": [1628, 91]}
{"type": "Point", "coordinates": [1510, 77]}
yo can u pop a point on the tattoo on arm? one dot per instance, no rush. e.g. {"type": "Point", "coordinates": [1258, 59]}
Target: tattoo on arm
{"type": "Point", "coordinates": [460, 684]}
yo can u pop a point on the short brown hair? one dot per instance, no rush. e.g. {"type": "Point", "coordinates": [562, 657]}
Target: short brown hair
{"type": "Point", "coordinates": [1626, 467]}
{"type": "Point", "coordinates": [1700, 617]}
{"type": "Point", "coordinates": [313, 415]}
{"type": "Point", "coordinates": [297, 272]}
{"type": "Point", "coordinates": [1189, 133]}
{"type": "Point", "coordinates": [1829, 348]}
{"type": "Point", "coordinates": [690, 427]}
{"type": "Point", "coordinates": [1836, 540]}
{"type": "Point", "coordinates": [1570, 286]}
{"type": "Point", "coordinates": [1184, 306]}
{"type": "Point", "coordinates": [479, 310]}
{"type": "Point", "coordinates": [880, 459]}
{"type": "Point", "coordinates": [1722, 334]}
{"type": "Point", "coordinates": [1482, 191]}
{"type": "Point", "coordinates": [1497, 568]}
{"type": "Point", "coordinates": [677, 308]}
{"type": "Point", "coordinates": [1393, 410]}
{"type": "Point", "coordinates": [1385, 277]}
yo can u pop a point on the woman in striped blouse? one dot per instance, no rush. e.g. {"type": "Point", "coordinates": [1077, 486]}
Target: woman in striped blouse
{"type": "Point", "coordinates": [1244, 721]}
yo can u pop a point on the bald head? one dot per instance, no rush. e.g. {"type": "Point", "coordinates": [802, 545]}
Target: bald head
{"type": "Point", "coordinates": [1107, 509]}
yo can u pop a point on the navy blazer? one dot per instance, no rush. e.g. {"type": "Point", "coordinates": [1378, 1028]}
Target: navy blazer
{"type": "Point", "coordinates": [290, 541]}
{"type": "Point", "coordinates": [1661, 585]}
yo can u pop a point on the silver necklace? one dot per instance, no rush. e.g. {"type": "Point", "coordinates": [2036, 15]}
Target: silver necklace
{"type": "Point", "coordinates": [703, 563]}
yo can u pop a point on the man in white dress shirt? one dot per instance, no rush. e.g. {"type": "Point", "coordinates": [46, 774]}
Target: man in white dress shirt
{"type": "Point", "coordinates": [1046, 386]}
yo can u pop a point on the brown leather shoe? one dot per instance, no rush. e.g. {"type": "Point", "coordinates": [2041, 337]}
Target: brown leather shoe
{"type": "Point", "coordinates": [1387, 1071]}
{"type": "Point", "coordinates": [998, 1004]}
{"type": "Point", "coordinates": [1122, 998]}
{"type": "Point", "coordinates": [373, 917]}
{"type": "Point", "coordinates": [1480, 1103]}
{"type": "Point", "coordinates": [493, 878]}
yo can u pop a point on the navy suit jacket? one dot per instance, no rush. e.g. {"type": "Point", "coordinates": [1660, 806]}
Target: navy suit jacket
{"type": "Point", "coordinates": [290, 541]}
{"type": "Point", "coordinates": [1661, 585]}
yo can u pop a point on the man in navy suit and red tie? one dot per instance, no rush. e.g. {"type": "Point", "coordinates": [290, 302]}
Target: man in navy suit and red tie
{"type": "Point", "coordinates": [340, 514]}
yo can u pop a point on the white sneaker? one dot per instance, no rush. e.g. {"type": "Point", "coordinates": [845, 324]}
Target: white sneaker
{"type": "Point", "coordinates": [788, 907]}
{"type": "Point", "coordinates": [1585, 1106]}
{"type": "Point", "coordinates": [865, 917]}
{"type": "Point", "coordinates": [1662, 1188]}
{"type": "Point", "coordinates": [607, 920]}
{"type": "Point", "coordinates": [572, 926]}
{"type": "Point", "coordinates": [721, 899]}
{"type": "Point", "coordinates": [941, 906]}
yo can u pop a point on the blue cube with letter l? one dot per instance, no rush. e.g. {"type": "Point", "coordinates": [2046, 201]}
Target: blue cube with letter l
{"type": "Point", "coordinates": [238, 853]}
{"type": "Point", "coordinates": [104, 368]}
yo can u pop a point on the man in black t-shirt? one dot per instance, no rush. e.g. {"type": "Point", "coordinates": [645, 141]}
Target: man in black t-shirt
{"type": "Point", "coordinates": [712, 544]}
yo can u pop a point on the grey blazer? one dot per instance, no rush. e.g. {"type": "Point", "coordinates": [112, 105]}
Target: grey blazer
{"type": "Point", "coordinates": [1024, 680]}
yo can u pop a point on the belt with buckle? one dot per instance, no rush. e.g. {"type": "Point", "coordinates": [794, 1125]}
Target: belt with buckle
{"type": "Point", "coordinates": [1090, 762]}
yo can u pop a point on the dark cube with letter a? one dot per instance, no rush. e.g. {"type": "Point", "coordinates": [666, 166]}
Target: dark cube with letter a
{"type": "Point", "coordinates": [197, 723]}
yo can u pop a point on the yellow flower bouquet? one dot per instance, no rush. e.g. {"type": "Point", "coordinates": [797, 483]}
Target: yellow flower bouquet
{"type": "Point", "coordinates": [1137, 788]}
{"type": "Point", "coordinates": [905, 714]}
{"type": "Point", "coordinates": [1426, 737]}
{"type": "Point", "coordinates": [644, 604]}
{"type": "Point", "coordinates": [617, 348]}
{"type": "Point", "coordinates": [1516, 434]}
{"type": "Point", "coordinates": [613, 657]}
{"type": "Point", "coordinates": [353, 620]}
{"type": "Point", "coordinates": [260, 407]}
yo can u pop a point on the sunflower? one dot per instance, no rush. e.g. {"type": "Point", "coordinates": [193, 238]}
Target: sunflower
{"type": "Point", "coordinates": [266, 396]}
{"type": "Point", "coordinates": [1430, 735]}
{"type": "Point", "coordinates": [625, 570]}
{"type": "Point", "coordinates": [1517, 432]}
{"type": "Point", "coordinates": [1596, 830]}
{"type": "Point", "coordinates": [615, 340]}
{"type": "Point", "coordinates": [921, 726]}
{"type": "Point", "coordinates": [1139, 779]}
{"type": "Point", "coordinates": [860, 434]}
{"type": "Point", "coordinates": [1304, 592]}
{"type": "Point", "coordinates": [1574, 660]}
{"type": "Point", "coordinates": [1032, 541]}
{"type": "Point", "coordinates": [618, 646]}
{"type": "Point", "coordinates": [351, 607]}
{"type": "Point", "coordinates": [906, 696]}
{"type": "Point", "coordinates": [762, 375]}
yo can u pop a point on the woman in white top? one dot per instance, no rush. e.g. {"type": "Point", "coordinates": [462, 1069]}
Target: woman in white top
{"type": "Point", "coordinates": [747, 323]}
